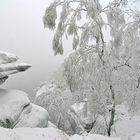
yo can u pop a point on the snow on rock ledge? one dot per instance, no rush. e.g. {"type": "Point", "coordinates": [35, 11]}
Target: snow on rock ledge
{"type": "Point", "coordinates": [44, 134]}
{"type": "Point", "coordinates": [9, 65]}
{"type": "Point", "coordinates": [17, 111]}
{"type": "Point", "coordinates": [12, 103]}
{"type": "Point", "coordinates": [33, 116]}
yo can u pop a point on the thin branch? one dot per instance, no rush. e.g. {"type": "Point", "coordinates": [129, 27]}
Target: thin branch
{"type": "Point", "coordinates": [125, 64]}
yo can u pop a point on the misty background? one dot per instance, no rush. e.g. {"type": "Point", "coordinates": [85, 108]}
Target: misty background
{"type": "Point", "coordinates": [22, 33]}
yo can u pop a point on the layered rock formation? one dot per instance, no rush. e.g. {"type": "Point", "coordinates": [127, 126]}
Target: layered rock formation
{"type": "Point", "coordinates": [9, 65]}
{"type": "Point", "coordinates": [15, 107]}
{"type": "Point", "coordinates": [17, 111]}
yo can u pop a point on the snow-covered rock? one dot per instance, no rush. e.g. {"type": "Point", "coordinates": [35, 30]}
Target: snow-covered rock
{"type": "Point", "coordinates": [12, 103]}
{"type": "Point", "coordinates": [45, 134]}
{"type": "Point", "coordinates": [33, 116]}
{"type": "Point", "coordinates": [6, 57]}
{"type": "Point", "coordinates": [9, 65]}
{"type": "Point", "coordinates": [15, 107]}
{"type": "Point", "coordinates": [17, 111]}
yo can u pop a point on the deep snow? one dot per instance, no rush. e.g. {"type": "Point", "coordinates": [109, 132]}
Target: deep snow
{"type": "Point", "coordinates": [17, 111]}
{"type": "Point", "coordinates": [44, 134]}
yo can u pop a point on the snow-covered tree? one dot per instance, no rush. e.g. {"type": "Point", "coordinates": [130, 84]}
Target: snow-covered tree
{"type": "Point", "coordinates": [106, 62]}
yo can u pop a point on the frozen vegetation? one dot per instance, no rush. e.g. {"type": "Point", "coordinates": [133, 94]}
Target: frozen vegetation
{"type": "Point", "coordinates": [95, 95]}
{"type": "Point", "coordinates": [126, 125]}
{"type": "Point", "coordinates": [19, 118]}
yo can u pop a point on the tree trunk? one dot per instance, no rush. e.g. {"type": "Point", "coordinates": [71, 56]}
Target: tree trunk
{"type": "Point", "coordinates": [111, 122]}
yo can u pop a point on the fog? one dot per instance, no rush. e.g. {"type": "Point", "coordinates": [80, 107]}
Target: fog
{"type": "Point", "coordinates": [22, 33]}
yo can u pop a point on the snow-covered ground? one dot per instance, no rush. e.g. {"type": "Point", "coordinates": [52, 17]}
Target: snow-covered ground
{"type": "Point", "coordinates": [44, 134]}
{"type": "Point", "coordinates": [126, 126]}
{"type": "Point", "coordinates": [92, 137]}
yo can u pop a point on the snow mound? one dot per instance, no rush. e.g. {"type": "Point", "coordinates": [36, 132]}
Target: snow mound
{"type": "Point", "coordinates": [17, 111]}
{"type": "Point", "coordinates": [12, 103]}
{"type": "Point", "coordinates": [44, 134]}
{"type": "Point", "coordinates": [126, 126]}
{"type": "Point", "coordinates": [92, 137]}
{"type": "Point", "coordinates": [33, 116]}
{"type": "Point", "coordinates": [32, 134]}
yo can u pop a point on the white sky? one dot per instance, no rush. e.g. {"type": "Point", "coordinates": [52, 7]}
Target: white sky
{"type": "Point", "coordinates": [22, 33]}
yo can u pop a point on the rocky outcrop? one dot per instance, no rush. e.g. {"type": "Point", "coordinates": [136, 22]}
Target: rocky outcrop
{"type": "Point", "coordinates": [12, 104]}
{"type": "Point", "coordinates": [33, 116]}
{"type": "Point", "coordinates": [17, 111]}
{"type": "Point", "coordinates": [9, 65]}
{"type": "Point", "coordinates": [15, 107]}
